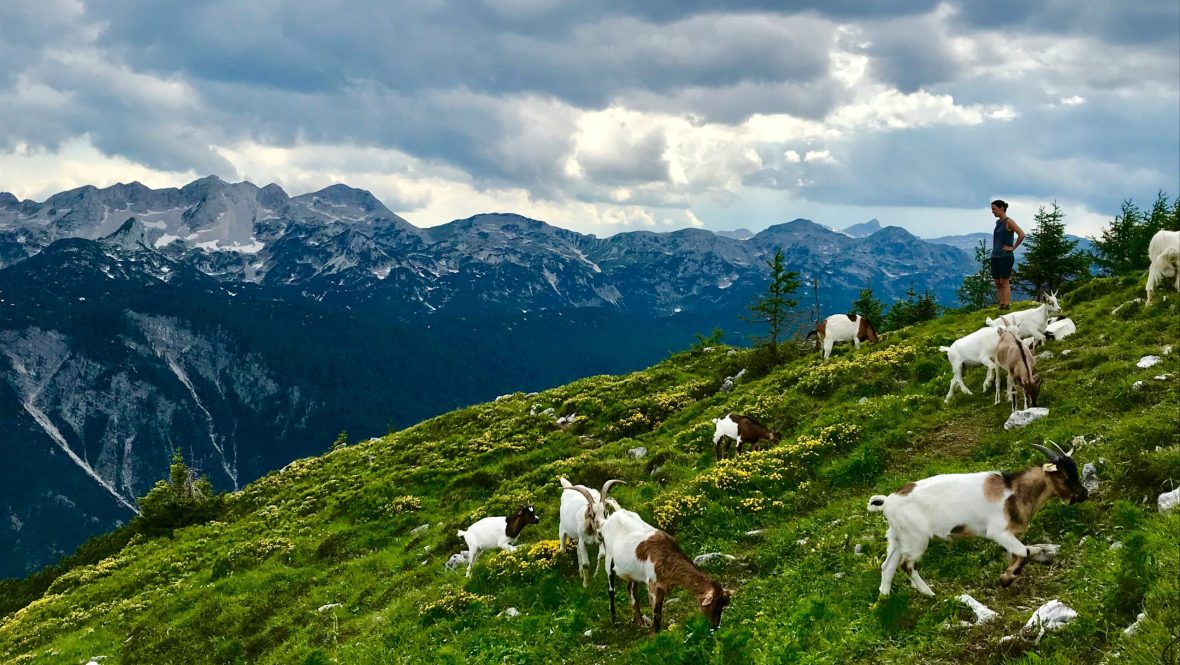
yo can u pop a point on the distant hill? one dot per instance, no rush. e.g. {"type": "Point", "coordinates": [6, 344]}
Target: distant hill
{"type": "Point", "coordinates": [864, 229]}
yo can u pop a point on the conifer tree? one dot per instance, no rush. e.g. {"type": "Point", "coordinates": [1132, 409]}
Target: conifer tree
{"type": "Point", "coordinates": [979, 289]}
{"type": "Point", "coordinates": [914, 309]}
{"type": "Point", "coordinates": [1051, 261]}
{"type": "Point", "coordinates": [774, 307]}
{"type": "Point", "coordinates": [181, 500]}
{"type": "Point", "coordinates": [1114, 251]}
{"type": "Point", "coordinates": [869, 307]}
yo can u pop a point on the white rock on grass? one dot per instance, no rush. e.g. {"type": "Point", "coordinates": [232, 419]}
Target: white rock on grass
{"type": "Point", "coordinates": [1134, 628]}
{"type": "Point", "coordinates": [1147, 361]}
{"type": "Point", "coordinates": [983, 613]}
{"type": "Point", "coordinates": [1090, 477]}
{"type": "Point", "coordinates": [329, 606]}
{"type": "Point", "coordinates": [457, 560]}
{"type": "Point", "coordinates": [637, 453]}
{"type": "Point", "coordinates": [1050, 616]}
{"type": "Point", "coordinates": [419, 529]}
{"type": "Point", "coordinates": [1044, 552]}
{"type": "Point", "coordinates": [1169, 500]}
{"type": "Point", "coordinates": [1167, 349]}
{"type": "Point", "coordinates": [510, 612]}
{"type": "Point", "coordinates": [1022, 418]}
{"type": "Point", "coordinates": [709, 557]}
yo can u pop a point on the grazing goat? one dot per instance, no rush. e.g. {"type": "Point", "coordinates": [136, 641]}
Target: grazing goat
{"type": "Point", "coordinates": [741, 429]}
{"type": "Point", "coordinates": [996, 506]}
{"type": "Point", "coordinates": [1020, 365]}
{"type": "Point", "coordinates": [638, 552]}
{"type": "Point", "coordinates": [842, 328]}
{"type": "Point", "coordinates": [496, 532]}
{"type": "Point", "coordinates": [1164, 253]}
{"type": "Point", "coordinates": [582, 515]}
{"type": "Point", "coordinates": [1030, 322]}
{"type": "Point", "coordinates": [978, 348]}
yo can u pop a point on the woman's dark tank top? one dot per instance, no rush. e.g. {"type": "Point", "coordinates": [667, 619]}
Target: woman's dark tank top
{"type": "Point", "coordinates": [1001, 236]}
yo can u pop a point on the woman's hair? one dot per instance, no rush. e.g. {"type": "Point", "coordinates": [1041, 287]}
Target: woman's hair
{"type": "Point", "coordinates": [1000, 204]}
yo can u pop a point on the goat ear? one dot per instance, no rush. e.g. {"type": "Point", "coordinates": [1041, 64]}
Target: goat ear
{"type": "Point", "coordinates": [708, 599]}
{"type": "Point", "coordinates": [1049, 467]}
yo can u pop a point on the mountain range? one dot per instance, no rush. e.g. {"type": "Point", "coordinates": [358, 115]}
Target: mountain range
{"type": "Point", "coordinates": [247, 327]}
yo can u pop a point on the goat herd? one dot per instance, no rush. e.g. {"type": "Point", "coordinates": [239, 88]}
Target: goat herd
{"type": "Point", "coordinates": [992, 505]}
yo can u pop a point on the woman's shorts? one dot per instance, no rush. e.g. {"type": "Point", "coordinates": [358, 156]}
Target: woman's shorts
{"type": "Point", "coordinates": [1002, 266]}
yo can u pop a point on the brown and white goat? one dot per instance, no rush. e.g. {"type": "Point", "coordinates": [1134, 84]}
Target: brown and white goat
{"type": "Point", "coordinates": [842, 328]}
{"type": "Point", "coordinates": [637, 552]}
{"type": "Point", "coordinates": [743, 430]}
{"type": "Point", "coordinates": [996, 506]}
{"type": "Point", "coordinates": [1014, 358]}
{"type": "Point", "coordinates": [582, 516]}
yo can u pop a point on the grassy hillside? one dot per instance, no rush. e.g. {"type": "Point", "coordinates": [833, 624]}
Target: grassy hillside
{"type": "Point", "coordinates": [325, 562]}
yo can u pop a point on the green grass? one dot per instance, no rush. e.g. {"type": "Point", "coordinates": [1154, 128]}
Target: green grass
{"type": "Point", "coordinates": [340, 528]}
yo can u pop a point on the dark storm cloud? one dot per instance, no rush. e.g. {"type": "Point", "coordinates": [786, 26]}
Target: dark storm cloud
{"type": "Point", "coordinates": [1123, 22]}
{"type": "Point", "coordinates": [948, 166]}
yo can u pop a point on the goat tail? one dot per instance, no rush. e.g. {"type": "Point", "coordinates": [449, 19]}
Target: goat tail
{"type": "Point", "coordinates": [944, 349]}
{"type": "Point", "coordinates": [565, 483]}
{"type": "Point", "coordinates": [877, 503]}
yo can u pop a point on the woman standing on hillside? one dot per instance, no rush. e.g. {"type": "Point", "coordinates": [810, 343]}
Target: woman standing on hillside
{"type": "Point", "coordinates": [1006, 237]}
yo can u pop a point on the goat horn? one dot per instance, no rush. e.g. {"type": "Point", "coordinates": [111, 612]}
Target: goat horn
{"type": "Point", "coordinates": [1063, 453]}
{"type": "Point", "coordinates": [1053, 457]}
{"type": "Point", "coordinates": [610, 483]}
{"type": "Point", "coordinates": [584, 491]}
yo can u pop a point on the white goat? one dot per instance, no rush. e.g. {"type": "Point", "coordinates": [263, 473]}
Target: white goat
{"type": "Point", "coordinates": [582, 515]}
{"type": "Point", "coordinates": [638, 552]}
{"type": "Point", "coordinates": [1030, 322]}
{"type": "Point", "coordinates": [978, 348]}
{"type": "Point", "coordinates": [995, 506]}
{"type": "Point", "coordinates": [496, 532]}
{"type": "Point", "coordinates": [1164, 252]}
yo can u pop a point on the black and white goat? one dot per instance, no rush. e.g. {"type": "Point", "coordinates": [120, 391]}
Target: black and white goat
{"type": "Point", "coordinates": [496, 532]}
{"type": "Point", "coordinates": [996, 506]}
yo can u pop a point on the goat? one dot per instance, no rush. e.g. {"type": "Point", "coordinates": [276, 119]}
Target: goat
{"type": "Point", "coordinates": [582, 516]}
{"type": "Point", "coordinates": [741, 429]}
{"type": "Point", "coordinates": [496, 532]}
{"type": "Point", "coordinates": [978, 348]}
{"type": "Point", "coordinates": [996, 506]}
{"type": "Point", "coordinates": [842, 328]}
{"type": "Point", "coordinates": [1164, 253]}
{"type": "Point", "coordinates": [638, 552]}
{"type": "Point", "coordinates": [1030, 322]}
{"type": "Point", "coordinates": [1020, 365]}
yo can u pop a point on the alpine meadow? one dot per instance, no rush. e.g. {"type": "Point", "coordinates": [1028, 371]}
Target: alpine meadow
{"type": "Point", "coordinates": [342, 557]}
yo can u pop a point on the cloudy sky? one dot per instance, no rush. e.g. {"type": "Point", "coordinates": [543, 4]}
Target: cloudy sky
{"type": "Point", "coordinates": [609, 116]}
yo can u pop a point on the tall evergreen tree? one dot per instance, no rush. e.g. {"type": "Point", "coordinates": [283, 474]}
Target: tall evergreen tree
{"type": "Point", "coordinates": [775, 306]}
{"type": "Point", "coordinates": [979, 289]}
{"type": "Point", "coordinates": [1114, 251]}
{"type": "Point", "coordinates": [869, 307]}
{"type": "Point", "coordinates": [1051, 261]}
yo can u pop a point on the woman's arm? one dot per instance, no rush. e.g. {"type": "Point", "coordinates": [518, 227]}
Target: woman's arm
{"type": "Point", "coordinates": [1013, 226]}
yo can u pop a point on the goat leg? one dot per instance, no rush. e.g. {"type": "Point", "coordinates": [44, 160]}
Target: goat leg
{"type": "Point", "coordinates": [655, 594]}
